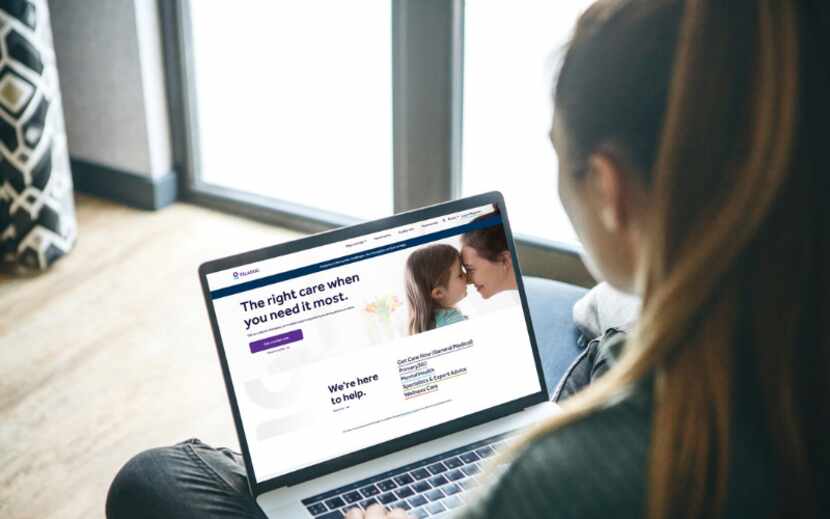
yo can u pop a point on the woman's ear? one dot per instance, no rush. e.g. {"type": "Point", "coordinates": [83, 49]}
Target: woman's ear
{"type": "Point", "coordinates": [608, 191]}
{"type": "Point", "coordinates": [506, 259]}
{"type": "Point", "coordinates": [438, 293]}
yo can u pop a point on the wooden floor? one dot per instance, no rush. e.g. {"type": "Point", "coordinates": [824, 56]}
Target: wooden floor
{"type": "Point", "coordinates": [109, 353]}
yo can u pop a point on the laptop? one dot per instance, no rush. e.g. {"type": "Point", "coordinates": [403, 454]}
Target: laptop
{"type": "Point", "coordinates": [350, 384]}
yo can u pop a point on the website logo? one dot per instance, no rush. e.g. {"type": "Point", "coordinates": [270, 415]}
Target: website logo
{"type": "Point", "coordinates": [237, 275]}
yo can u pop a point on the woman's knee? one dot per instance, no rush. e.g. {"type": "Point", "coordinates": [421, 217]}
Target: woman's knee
{"type": "Point", "coordinates": [187, 480]}
{"type": "Point", "coordinates": [142, 486]}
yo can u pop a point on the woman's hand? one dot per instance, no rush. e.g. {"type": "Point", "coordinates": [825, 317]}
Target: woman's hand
{"type": "Point", "coordinates": [377, 512]}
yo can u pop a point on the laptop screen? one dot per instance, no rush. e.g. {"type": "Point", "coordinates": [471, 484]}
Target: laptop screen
{"type": "Point", "coordinates": [344, 346]}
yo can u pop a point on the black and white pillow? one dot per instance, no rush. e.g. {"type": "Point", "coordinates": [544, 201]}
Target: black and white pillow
{"type": "Point", "coordinates": [37, 215]}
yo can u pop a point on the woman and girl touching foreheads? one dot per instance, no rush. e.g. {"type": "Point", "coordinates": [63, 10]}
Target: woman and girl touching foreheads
{"type": "Point", "coordinates": [437, 276]}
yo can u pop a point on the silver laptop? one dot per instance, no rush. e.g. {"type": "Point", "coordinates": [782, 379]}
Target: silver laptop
{"type": "Point", "coordinates": [362, 368]}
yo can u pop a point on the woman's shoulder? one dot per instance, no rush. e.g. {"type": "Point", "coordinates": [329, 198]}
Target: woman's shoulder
{"type": "Point", "coordinates": [595, 466]}
{"type": "Point", "coordinates": [617, 435]}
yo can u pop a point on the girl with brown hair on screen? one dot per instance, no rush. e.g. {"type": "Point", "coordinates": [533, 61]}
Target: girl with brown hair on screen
{"type": "Point", "coordinates": [435, 283]}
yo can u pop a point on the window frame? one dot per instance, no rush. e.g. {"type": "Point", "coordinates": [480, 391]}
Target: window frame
{"type": "Point", "coordinates": [428, 44]}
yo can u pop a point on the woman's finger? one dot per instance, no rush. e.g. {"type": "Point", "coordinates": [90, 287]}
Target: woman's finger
{"type": "Point", "coordinates": [398, 513]}
{"type": "Point", "coordinates": [375, 512]}
{"type": "Point", "coordinates": [355, 513]}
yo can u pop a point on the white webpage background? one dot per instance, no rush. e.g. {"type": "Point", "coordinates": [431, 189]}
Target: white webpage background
{"type": "Point", "coordinates": [283, 395]}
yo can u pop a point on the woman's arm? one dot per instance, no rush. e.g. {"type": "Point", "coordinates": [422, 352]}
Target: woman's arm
{"type": "Point", "coordinates": [594, 467]}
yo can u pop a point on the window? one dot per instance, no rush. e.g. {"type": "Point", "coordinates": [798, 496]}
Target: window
{"type": "Point", "coordinates": [510, 52]}
{"type": "Point", "coordinates": [294, 101]}
{"type": "Point", "coordinates": [317, 113]}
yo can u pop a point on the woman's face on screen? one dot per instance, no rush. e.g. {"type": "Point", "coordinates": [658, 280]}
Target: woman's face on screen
{"type": "Point", "coordinates": [489, 277]}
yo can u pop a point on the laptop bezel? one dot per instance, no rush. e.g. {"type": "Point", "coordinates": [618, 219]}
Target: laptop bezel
{"type": "Point", "coordinates": [395, 444]}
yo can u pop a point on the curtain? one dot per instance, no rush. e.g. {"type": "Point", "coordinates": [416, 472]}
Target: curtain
{"type": "Point", "coordinates": [37, 215]}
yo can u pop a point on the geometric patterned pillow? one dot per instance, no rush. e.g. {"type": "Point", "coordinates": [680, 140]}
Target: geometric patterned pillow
{"type": "Point", "coordinates": [37, 216]}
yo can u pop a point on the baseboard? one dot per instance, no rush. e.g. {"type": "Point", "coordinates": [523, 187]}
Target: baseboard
{"type": "Point", "coordinates": [141, 191]}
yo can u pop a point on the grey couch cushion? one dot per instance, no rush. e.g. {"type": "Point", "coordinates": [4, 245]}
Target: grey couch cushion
{"type": "Point", "coordinates": [551, 310]}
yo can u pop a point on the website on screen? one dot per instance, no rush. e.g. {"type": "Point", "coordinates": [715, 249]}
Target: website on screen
{"type": "Point", "coordinates": [347, 345]}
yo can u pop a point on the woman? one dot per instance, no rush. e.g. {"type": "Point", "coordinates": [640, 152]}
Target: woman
{"type": "Point", "coordinates": [689, 136]}
{"type": "Point", "coordinates": [487, 260]}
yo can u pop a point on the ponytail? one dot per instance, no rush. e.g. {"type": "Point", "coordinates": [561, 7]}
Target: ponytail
{"type": "Point", "coordinates": [723, 129]}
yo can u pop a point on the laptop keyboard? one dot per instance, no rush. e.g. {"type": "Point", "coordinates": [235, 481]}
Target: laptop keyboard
{"type": "Point", "coordinates": [431, 487]}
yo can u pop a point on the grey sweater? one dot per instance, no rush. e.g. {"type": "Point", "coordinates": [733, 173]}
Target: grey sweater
{"type": "Point", "coordinates": [594, 467]}
{"type": "Point", "coordinates": [597, 467]}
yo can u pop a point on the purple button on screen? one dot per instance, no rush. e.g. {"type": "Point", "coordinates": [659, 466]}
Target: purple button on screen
{"type": "Point", "coordinates": [276, 341]}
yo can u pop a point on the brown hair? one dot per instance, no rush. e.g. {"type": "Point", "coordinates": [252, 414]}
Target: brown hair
{"type": "Point", "coordinates": [489, 242]}
{"type": "Point", "coordinates": [717, 106]}
{"type": "Point", "coordinates": [427, 268]}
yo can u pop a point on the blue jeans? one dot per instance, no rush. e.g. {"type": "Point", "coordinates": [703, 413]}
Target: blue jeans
{"type": "Point", "coordinates": [192, 479]}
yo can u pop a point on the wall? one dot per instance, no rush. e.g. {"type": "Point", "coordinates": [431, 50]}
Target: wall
{"type": "Point", "coordinates": [110, 63]}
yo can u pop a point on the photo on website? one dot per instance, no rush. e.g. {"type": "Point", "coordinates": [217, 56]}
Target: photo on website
{"type": "Point", "coordinates": [437, 278]}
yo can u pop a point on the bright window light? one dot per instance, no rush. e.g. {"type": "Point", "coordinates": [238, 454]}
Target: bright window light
{"type": "Point", "coordinates": [294, 100]}
{"type": "Point", "coordinates": [511, 52]}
